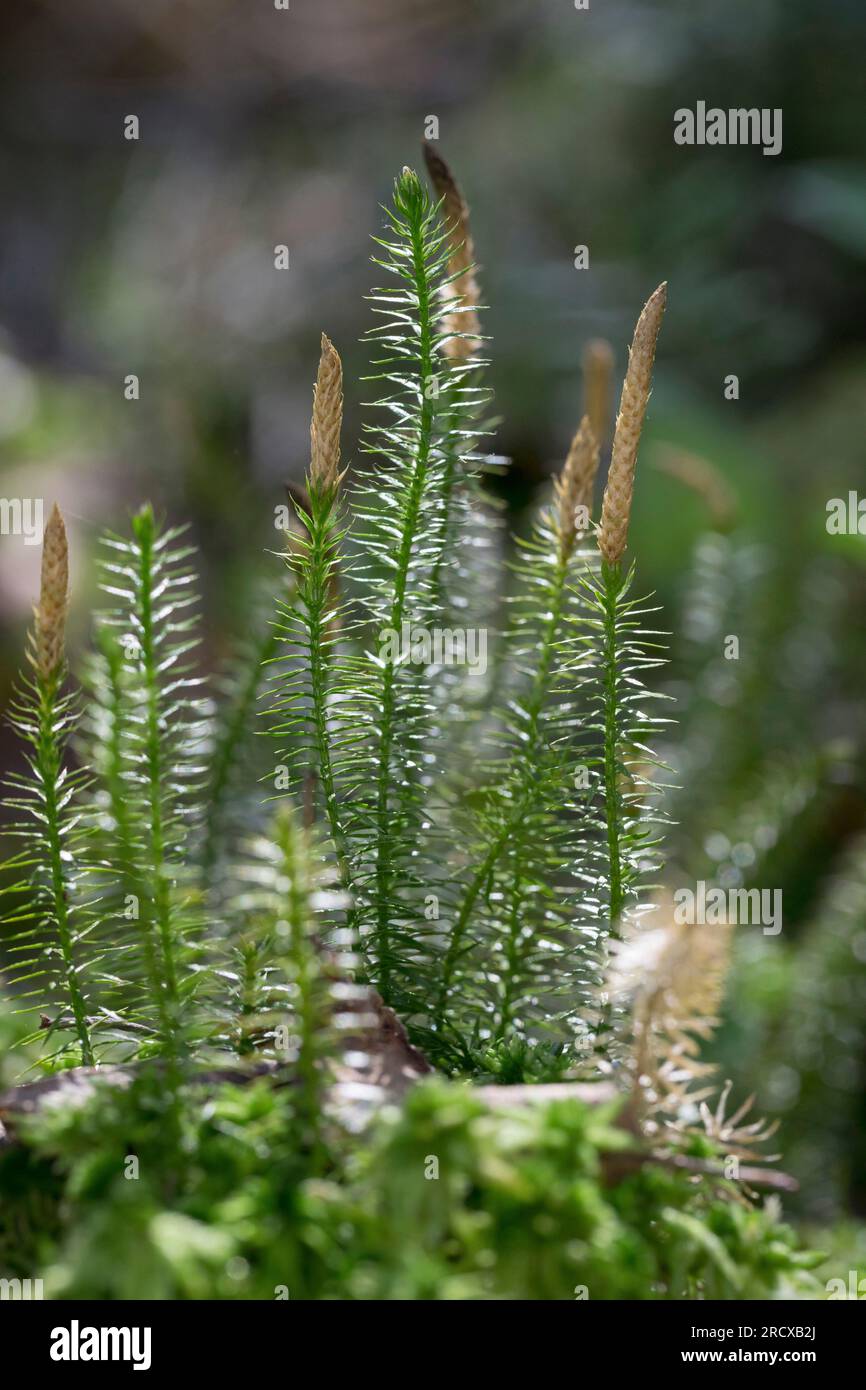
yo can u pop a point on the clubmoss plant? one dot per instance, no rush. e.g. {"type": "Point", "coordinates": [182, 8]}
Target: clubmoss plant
{"type": "Point", "coordinates": [310, 622]}
{"type": "Point", "coordinates": [56, 922]}
{"type": "Point", "coordinates": [158, 729]}
{"type": "Point", "coordinates": [481, 912]}
{"type": "Point", "coordinates": [380, 700]}
{"type": "Point", "coordinates": [479, 895]}
{"type": "Point", "coordinates": [518, 816]}
{"type": "Point", "coordinates": [284, 978]}
{"type": "Point", "coordinates": [623, 655]}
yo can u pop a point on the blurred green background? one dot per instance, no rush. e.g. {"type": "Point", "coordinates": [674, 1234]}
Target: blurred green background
{"type": "Point", "coordinates": [261, 127]}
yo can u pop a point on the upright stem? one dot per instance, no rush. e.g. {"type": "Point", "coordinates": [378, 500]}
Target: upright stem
{"type": "Point", "coordinates": [314, 595]}
{"type": "Point", "coordinates": [384, 854]}
{"type": "Point", "coordinates": [49, 757]}
{"type": "Point", "coordinates": [307, 980]}
{"type": "Point", "coordinates": [513, 952]}
{"type": "Point", "coordinates": [247, 997]}
{"type": "Point", "coordinates": [156, 772]}
{"type": "Point", "coordinates": [612, 582]}
{"type": "Point", "coordinates": [523, 767]}
{"type": "Point", "coordinates": [115, 764]}
{"type": "Point", "coordinates": [461, 921]}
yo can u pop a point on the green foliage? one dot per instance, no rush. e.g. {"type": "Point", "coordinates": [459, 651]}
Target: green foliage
{"type": "Point", "coordinates": [769, 788]}
{"type": "Point", "coordinates": [796, 1018]}
{"type": "Point", "coordinates": [509, 953]}
{"type": "Point", "coordinates": [515, 1207]}
{"type": "Point", "coordinates": [284, 981]}
{"type": "Point", "coordinates": [177, 941]}
{"type": "Point", "coordinates": [52, 930]}
{"type": "Point", "coordinates": [403, 514]}
{"type": "Point", "coordinates": [308, 625]}
{"type": "Point", "coordinates": [622, 652]}
{"type": "Point", "coordinates": [145, 690]}
{"type": "Point", "coordinates": [824, 1038]}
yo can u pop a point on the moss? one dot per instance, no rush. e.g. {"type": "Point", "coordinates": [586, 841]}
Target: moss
{"type": "Point", "coordinates": [444, 1199]}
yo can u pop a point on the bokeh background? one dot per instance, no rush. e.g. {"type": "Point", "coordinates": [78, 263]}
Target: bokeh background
{"type": "Point", "coordinates": [261, 127]}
